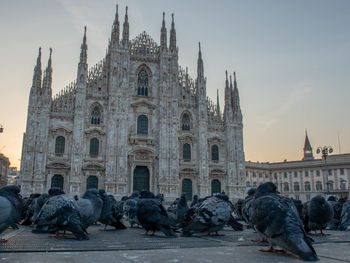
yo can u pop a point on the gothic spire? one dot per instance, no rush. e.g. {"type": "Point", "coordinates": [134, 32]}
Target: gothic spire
{"type": "Point", "coordinates": [163, 39]}
{"type": "Point", "coordinates": [115, 29]}
{"type": "Point", "coordinates": [172, 45]}
{"type": "Point", "coordinates": [235, 94]}
{"type": "Point", "coordinates": [308, 155]}
{"type": "Point", "coordinates": [228, 100]}
{"type": "Point", "coordinates": [126, 28]}
{"type": "Point", "coordinates": [47, 80]}
{"type": "Point", "coordinates": [83, 50]}
{"type": "Point", "coordinates": [200, 68]}
{"type": "Point", "coordinates": [218, 103]}
{"type": "Point", "coordinates": [37, 72]}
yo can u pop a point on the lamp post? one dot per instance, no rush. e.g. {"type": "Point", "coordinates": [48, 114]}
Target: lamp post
{"type": "Point", "coordinates": [1, 129]}
{"type": "Point", "coordinates": [325, 150]}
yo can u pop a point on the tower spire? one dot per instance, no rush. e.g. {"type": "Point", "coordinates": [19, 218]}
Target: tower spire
{"type": "Point", "coordinates": [218, 103]}
{"type": "Point", "coordinates": [200, 68]}
{"type": "Point", "coordinates": [163, 38]}
{"type": "Point", "coordinates": [83, 50]}
{"type": "Point", "coordinates": [47, 80]}
{"type": "Point", "coordinates": [308, 155]}
{"type": "Point", "coordinates": [235, 94]}
{"type": "Point", "coordinates": [228, 100]}
{"type": "Point", "coordinates": [37, 72]}
{"type": "Point", "coordinates": [126, 28]}
{"type": "Point", "coordinates": [115, 29]}
{"type": "Point", "coordinates": [172, 45]}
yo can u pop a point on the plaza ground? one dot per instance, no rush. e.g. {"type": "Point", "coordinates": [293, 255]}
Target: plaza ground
{"type": "Point", "coordinates": [128, 246]}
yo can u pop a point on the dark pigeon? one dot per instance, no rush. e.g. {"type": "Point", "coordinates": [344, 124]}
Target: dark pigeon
{"type": "Point", "coordinates": [211, 216]}
{"type": "Point", "coordinates": [89, 207]}
{"type": "Point", "coordinates": [276, 218]}
{"type": "Point", "coordinates": [317, 214]}
{"type": "Point", "coordinates": [110, 214]}
{"type": "Point", "coordinates": [38, 203]}
{"type": "Point", "coordinates": [299, 206]}
{"type": "Point", "coordinates": [337, 206]}
{"type": "Point", "coordinates": [60, 213]}
{"type": "Point", "coordinates": [238, 209]}
{"type": "Point", "coordinates": [28, 209]}
{"type": "Point", "coordinates": [181, 210]}
{"type": "Point", "coordinates": [345, 216]}
{"type": "Point", "coordinates": [152, 215]}
{"type": "Point", "coordinates": [11, 205]}
{"type": "Point", "coordinates": [194, 201]}
{"type": "Point", "coordinates": [130, 209]}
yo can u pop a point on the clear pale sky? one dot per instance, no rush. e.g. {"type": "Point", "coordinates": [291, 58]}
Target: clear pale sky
{"type": "Point", "coordinates": [292, 60]}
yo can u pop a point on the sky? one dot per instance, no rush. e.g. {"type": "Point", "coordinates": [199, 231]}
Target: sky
{"type": "Point", "coordinates": [292, 60]}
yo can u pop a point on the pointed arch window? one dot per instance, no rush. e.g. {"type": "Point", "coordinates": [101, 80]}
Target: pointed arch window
{"type": "Point", "coordinates": [96, 116]}
{"type": "Point", "coordinates": [60, 145]}
{"type": "Point", "coordinates": [215, 153]}
{"type": "Point", "coordinates": [94, 147]}
{"type": "Point", "coordinates": [186, 155]}
{"type": "Point", "coordinates": [186, 123]}
{"type": "Point", "coordinates": [142, 83]}
{"type": "Point", "coordinates": [142, 124]}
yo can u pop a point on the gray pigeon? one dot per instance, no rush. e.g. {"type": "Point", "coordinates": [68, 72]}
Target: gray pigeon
{"type": "Point", "coordinates": [11, 205]}
{"type": "Point", "coordinates": [28, 209]}
{"type": "Point", "coordinates": [345, 216]}
{"type": "Point", "coordinates": [90, 207]}
{"type": "Point", "coordinates": [211, 216]}
{"type": "Point", "coordinates": [130, 209]}
{"type": "Point", "coordinates": [60, 213]}
{"type": "Point", "coordinates": [276, 218]}
{"type": "Point", "coordinates": [181, 210]}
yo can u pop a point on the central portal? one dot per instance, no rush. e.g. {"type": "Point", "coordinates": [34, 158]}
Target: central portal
{"type": "Point", "coordinates": [141, 178]}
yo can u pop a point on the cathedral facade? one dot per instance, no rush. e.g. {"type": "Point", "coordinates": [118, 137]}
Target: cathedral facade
{"type": "Point", "coordinates": [134, 121]}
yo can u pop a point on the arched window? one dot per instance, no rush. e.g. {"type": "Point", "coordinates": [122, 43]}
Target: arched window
{"type": "Point", "coordinates": [215, 153]}
{"type": "Point", "coordinates": [94, 147]}
{"type": "Point", "coordinates": [296, 187]}
{"type": "Point", "coordinates": [215, 187]}
{"type": "Point", "coordinates": [186, 152]}
{"type": "Point", "coordinates": [186, 122]}
{"type": "Point", "coordinates": [142, 83]}
{"type": "Point", "coordinates": [142, 124]}
{"type": "Point", "coordinates": [342, 184]}
{"type": "Point", "coordinates": [57, 181]}
{"type": "Point", "coordinates": [286, 187]}
{"type": "Point", "coordinates": [307, 186]}
{"type": "Point", "coordinates": [92, 182]}
{"type": "Point", "coordinates": [318, 186]}
{"type": "Point", "coordinates": [330, 185]}
{"type": "Point", "coordinates": [60, 144]}
{"type": "Point", "coordinates": [96, 115]}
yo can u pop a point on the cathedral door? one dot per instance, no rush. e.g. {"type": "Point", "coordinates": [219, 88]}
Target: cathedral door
{"type": "Point", "coordinates": [187, 188]}
{"type": "Point", "coordinates": [92, 182]}
{"type": "Point", "coordinates": [57, 181]}
{"type": "Point", "coordinates": [215, 187]}
{"type": "Point", "coordinates": [141, 178]}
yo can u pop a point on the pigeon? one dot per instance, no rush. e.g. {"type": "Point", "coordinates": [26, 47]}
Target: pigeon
{"type": "Point", "coordinates": [211, 216]}
{"type": "Point", "coordinates": [337, 206]}
{"type": "Point", "coordinates": [60, 213]}
{"type": "Point", "coordinates": [181, 210]}
{"type": "Point", "coordinates": [299, 206]}
{"type": "Point", "coordinates": [152, 215]}
{"type": "Point", "coordinates": [110, 214]}
{"type": "Point", "coordinates": [275, 217]}
{"type": "Point", "coordinates": [345, 216]}
{"type": "Point", "coordinates": [194, 201]}
{"type": "Point", "coordinates": [317, 214]}
{"type": "Point", "coordinates": [238, 209]}
{"type": "Point", "coordinates": [130, 209]}
{"type": "Point", "coordinates": [37, 204]}
{"type": "Point", "coordinates": [89, 207]}
{"type": "Point", "coordinates": [11, 205]}
{"type": "Point", "coordinates": [28, 209]}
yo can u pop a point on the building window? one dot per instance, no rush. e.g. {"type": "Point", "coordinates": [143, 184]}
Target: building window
{"type": "Point", "coordinates": [215, 153]}
{"type": "Point", "coordinates": [318, 173]}
{"type": "Point", "coordinates": [186, 152]}
{"type": "Point", "coordinates": [296, 187]}
{"type": "Point", "coordinates": [60, 144]}
{"type": "Point", "coordinates": [329, 171]}
{"type": "Point", "coordinates": [142, 83]}
{"type": "Point", "coordinates": [215, 187]}
{"type": "Point", "coordinates": [330, 185]}
{"type": "Point", "coordinates": [341, 170]}
{"type": "Point", "coordinates": [96, 116]}
{"type": "Point", "coordinates": [92, 182]}
{"type": "Point", "coordinates": [285, 175]}
{"type": "Point", "coordinates": [342, 184]}
{"type": "Point", "coordinates": [296, 197]}
{"type": "Point", "coordinates": [254, 175]}
{"type": "Point", "coordinates": [142, 124]}
{"type": "Point", "coordinates": [318, 186]}
{"type": "Point", "coordinates": [260, 175]}
{"type": "Point", "coordinates": [307, 186]}
{"type": "Point", "coordinates": [186, 122]}
{"type": "Point", "coordinates": [306, 174]}
{"type": "Point", "coordinates": [295, 174]}
{"type": "Point", "coordinates": [308, 197]}
{"type": "Point", "coordinates": [94, 147]}
{"type": "Point", "coordinates": [286, 187]}
{"type": "Point", "coordinates": [57, 181]}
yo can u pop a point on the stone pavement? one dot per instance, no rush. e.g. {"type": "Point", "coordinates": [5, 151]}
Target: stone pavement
{"type": "Point", "coordinates": [129, 246]}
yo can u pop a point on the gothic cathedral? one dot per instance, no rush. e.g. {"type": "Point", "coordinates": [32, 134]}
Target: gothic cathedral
{"type": "Point", "coordinates": [134, 121]}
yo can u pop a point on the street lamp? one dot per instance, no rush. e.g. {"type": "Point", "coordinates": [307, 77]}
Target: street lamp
{"type": "Point", "coordinates": [1, 128]}
{"type": "Point", "coordinates": [325, 150]}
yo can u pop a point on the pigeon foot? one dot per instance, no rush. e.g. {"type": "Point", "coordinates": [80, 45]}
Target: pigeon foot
{"type": "Point", "coordinates": [271, 249]}
{"type": "Point", "coordinates": [261, 240]}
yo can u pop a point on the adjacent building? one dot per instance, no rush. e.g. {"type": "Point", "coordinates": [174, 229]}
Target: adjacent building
{"type": "Point", "coordinates": [4, 166]}
{"type": "Point", "coordinates": [136, 120]}
{"type": "Point", "coordinates": [305, 178]}
{"type": "Point", "coordinates": [13, 176]}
